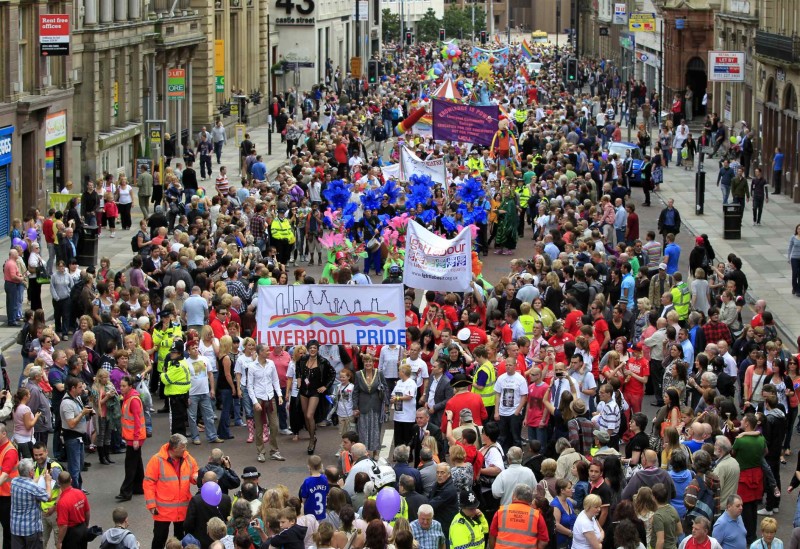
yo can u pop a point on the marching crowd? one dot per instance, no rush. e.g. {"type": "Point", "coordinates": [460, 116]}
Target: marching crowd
{"type": "Point", "coordinates": [516, 407]}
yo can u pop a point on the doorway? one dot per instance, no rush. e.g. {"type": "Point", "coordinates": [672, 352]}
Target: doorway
{"type": "Point", "coordinates": [30, 175]}
{"type": "Point", "coordinates": [697, 80]}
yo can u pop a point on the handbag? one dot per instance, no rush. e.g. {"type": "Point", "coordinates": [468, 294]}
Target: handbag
{"type": "Point", "coordinates": [41, 275]}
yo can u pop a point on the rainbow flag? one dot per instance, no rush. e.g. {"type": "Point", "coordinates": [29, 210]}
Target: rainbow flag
{"type": "Point", "coordinates": [526, 50]}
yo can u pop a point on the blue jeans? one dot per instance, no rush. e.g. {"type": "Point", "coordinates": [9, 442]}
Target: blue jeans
{"type": "Point", "coordinates": [373, 261]}
{"type": "Point", "coordinates": [538, 433]}
{"type": "Point", "coordinates": [283, 422]}
{"type": "Point", "coordinates": [796, 521]}
{"type": "Point", "coordinates": [75, 456]}
{"type": "Point", "coordinates": [12, 310]}
{"type": "Point", "coordinates": [620, 235]}
{"type": "Point", "coordinates": [237, 412]}
{"type": "Point", "coordinates": [247, 403]}
{"type": "Point", "coordinates": [223, 429]}
{"type": "Point", "coordinates": [726, 191]}
{"type": "Point", "coordinates": [207, 409]}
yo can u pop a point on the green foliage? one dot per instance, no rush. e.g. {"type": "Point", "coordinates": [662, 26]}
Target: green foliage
{"type": "Point", "coordinates": [460, 19]}
{"type": "Point", "coordinates": [390, 25]}
{"type": "Point", "coordinates": [428, 27]}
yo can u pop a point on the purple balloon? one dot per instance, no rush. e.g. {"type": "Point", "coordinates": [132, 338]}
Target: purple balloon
{"type": "Point", "coordinates": [388, 503]}
{"type": "Point", "coordinates": [211, 493]}
{"type": "Point", "coordinates": [32, 234]}
{"type": "Point", "coordinates": [21, 243]}
{"type": "Point", "coordinates": [605, 155]}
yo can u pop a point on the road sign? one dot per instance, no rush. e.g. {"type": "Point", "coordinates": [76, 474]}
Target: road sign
{"type": "Point", "coordinates": [355, 67]}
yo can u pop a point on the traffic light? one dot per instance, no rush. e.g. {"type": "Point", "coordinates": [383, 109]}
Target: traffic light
{"type": "Point", "coordinates": [372, 71]}
{"type": "Point", "coordinates": [408, 38]}
{"type": "Point", "coordinates": [572, 69]}
{"type": "Point", "coordinates": [441, 35]}
{"type": "Point", "coordinates": [483, 37]}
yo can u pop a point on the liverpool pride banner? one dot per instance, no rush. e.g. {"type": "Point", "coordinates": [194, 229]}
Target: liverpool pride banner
{"type": "Point", "coordinates": [332, 315]}
{"type": "Point", "coordinates": [468, 123]}
{"type": "Point", "coordinates": [435, 263]}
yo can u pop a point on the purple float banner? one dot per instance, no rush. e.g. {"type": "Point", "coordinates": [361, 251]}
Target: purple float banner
{"type": "Point", "coordinates": [466, 123]}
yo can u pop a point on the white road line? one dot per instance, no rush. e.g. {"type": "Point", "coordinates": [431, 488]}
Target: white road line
{"type": "Point", "coordinates": [386, 444]}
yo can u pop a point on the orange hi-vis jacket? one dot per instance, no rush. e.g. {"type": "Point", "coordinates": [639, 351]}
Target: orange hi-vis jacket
{"type": "Point", "coordinates": [167, 489]}
{"type": "Point", "coordinates": [133, 418]}
{"type": "Point", "coordinates": [517, 527]}
{"type": "Point", "coordinates": [5, 488]}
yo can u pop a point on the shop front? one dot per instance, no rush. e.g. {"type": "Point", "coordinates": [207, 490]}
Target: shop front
{"type": "Point", "coordinates": [6, 135]}
{"type": "Point", "coordinates": [55, 138]}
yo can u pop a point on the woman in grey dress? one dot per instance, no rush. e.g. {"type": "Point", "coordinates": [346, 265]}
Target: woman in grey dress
{"type": "Point", "coordinates": [370, 404]}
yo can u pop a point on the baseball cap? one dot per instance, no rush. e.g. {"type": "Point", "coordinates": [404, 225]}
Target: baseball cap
{"type": "Point", "coordinates": [662, 266]}
{"type": "Point", "coordinates": [465, 415]}
{"type": "Point", "coordinates": [699, 241]}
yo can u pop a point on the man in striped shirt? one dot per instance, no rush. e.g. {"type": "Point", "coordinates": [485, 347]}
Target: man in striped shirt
{"type": "Point", "coordinates": [608, 414]}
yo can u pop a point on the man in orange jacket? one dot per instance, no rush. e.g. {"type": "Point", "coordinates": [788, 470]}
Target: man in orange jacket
{"type": "Point", "coordinates": [518, 524]}
{"type": "Point", "coordinates": [134, 435]}
{"type": "Point", "coordinates": [167, 483]}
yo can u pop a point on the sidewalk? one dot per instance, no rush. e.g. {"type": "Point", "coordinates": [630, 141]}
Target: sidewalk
{"type": "Point", "coordinates": [118, 249]}
{"type": "Point", "coordinates": [762, 248]}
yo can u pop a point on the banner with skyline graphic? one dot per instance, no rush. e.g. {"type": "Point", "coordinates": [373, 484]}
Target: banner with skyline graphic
{"type": "Point", "coordinates": [332, 315]}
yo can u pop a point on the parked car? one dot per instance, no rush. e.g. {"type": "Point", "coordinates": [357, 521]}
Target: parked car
{"type": "Point", "coordinates": [621, 148]}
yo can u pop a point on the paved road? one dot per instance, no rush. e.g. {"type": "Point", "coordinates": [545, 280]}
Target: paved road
{"type": "Point", "coordinates": [103, 481]}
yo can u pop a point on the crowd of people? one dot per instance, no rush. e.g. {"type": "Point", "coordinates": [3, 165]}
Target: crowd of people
{"type": "Point", "coordinates": [519, 402]}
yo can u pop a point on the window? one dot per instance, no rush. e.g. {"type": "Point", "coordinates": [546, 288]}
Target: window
{"type": "Point", "coordinates": [120, 157]}
{"type": "Point", "coordinates": [22, 35]}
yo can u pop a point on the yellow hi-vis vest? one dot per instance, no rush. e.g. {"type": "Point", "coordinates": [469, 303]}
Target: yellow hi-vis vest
{"type": "Point", "coordinates": [487, 393]}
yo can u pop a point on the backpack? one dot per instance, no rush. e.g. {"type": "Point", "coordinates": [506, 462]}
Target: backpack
{"type": "Point", "coordinates": [705, 506]}
{"type": "Point", "coordinates": [135, 243]}
{"type": "Point", "coordinates": [105, 544]}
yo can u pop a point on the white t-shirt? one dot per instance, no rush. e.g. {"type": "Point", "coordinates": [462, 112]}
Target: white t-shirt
{"type": "Point", "coordinates": [419, 370]}
{"type": "Point", "coordinates": [494, 456]}
{"type": "Point", "coordinates": [584, 381]}
{"type": "Point", "coordinates": [291, 373]}
{"type": "Point", "coordinates": [208, 352]}
{"type": "Point", "coordinates": [510, 390]}
{"type": "Point", "coordinates": [584, 524]}
{"type": "Point", "coordinates": [243, 362]}
{"type": "Point", "coordinates": [405, 411]}
{"type": "Point", "coordinates": [344, 407]}
{"type": "Point", "coordinates": [199, 368]}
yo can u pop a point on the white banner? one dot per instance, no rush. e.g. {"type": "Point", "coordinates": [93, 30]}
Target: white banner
{"type": "Point", "coordinates": [435, 263]}
{"type": "Point", "coordinates": [331, 314]}
{"type": "Point", "coordinates": [412, 165]}
{"type": "Point", "coordinates": [392, 171]}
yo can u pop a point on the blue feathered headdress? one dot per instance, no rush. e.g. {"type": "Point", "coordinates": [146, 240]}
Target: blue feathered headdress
{"type": "Point", "coordinates": [471, 190]}
{"type": "Point", "coordinates": [371, 199]}
{"type": "Point", "coordinates": [449, 224]}
{"type": "Point", "coordinates": [474, 217]}
{"type": "Point", "coordinates": [338, 194]}
{"type": "Point", "coordinates": [419, 191]}
{"type": "Point", "coordinates": [427, 216]}
{"type": "Point", "coordinates": [391, 190]}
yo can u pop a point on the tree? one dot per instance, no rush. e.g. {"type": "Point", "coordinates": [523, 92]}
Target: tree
{"type": "Point", "coordinates": [390, 26]}
{"type": "Point", "coordinates": [460, 19]}
{"type": "Point", "coordinates": [428, 27]}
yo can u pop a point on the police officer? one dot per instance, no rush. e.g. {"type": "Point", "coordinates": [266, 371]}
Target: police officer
{"type": "Point", "coordinates": [42, 464]}
{"type": "Point", "coordinates": [469, 527]}
{"type": "Point", "coordinates": [395, 275]}
{"type": "Point", "coordinates": [282, 235]}
{"type": "Point", "coordinates": [177, 379]}
{"type": "Point", "coordinates": [681, 298]}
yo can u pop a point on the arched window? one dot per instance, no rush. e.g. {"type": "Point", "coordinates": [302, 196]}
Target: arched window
{"type": "Point", "coordinates": [790, 98]}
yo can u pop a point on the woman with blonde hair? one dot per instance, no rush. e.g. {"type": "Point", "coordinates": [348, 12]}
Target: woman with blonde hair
{"type": "Point", "coordinates": [641, 322]}
{"type": "Point", "coordinates": [292, 397]}
{"type": "Point", "coordinates": [225, 385]}
{"type": "Point", "coordinates": [645, 505]}
{"type": "Point", "coordinates": [587, 532]}
{"type": "Point", "coordinates": [106, 404]}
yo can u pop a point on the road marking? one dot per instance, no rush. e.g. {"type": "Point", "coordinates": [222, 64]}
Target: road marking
{"type": "Point", "coordinates": [386, 444]}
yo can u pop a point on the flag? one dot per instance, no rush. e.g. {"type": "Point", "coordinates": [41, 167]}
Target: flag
{"type": "Point", "coordinates": [524, 73]}
{"type": "Point", "coordinates": [526, 51]}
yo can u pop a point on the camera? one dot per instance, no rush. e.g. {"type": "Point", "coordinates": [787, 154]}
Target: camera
{"type": "Point", "coordinates": [559, 374]}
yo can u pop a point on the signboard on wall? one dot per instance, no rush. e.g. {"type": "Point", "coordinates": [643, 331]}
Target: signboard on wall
{"type": "Point", "coordinates": [289, 12]}
{"type": "Point", "coordinates": [54, 34]}
{"type": "Point", "coordinates": [641, 21]}
{"type": "Point", "coordinates": [726, 66]}
{"type": "Point", "coordinates": [55, 129]}
{"type": "Point", "coordinates": [620, 14]}
{"type": "Point", "coordinates": [176, 84]}
{"type": "Point", "coordinates": [219, 65]}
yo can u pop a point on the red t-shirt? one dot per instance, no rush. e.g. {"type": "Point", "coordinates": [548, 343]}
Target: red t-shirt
{"type": "Point", "coordinates": [72, 507]}
{"type": "Point", "coordinates": [477, 336]}
{"type": "Point", "coordinates": [535, 405]}
{"type": "Point", "coordinates": [411, 319]}
{"type": "Point", "coordinates": [600, 328]}
{"type": "Point", "coordinates": [47, 229]}
{"type": "Point", "coordinates": [640, 368]}
{"type": "Point", "coordinates": [508, 335]}
{"type": "Point", "coordinates": [558, 343]}
{"type": "Point", "coordinates": [470, 401]}
{"type": "Point", "coordinates": [281, 364]}
{"type": "Point", "coordinates": [571, 322]}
